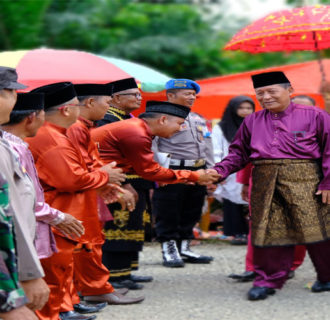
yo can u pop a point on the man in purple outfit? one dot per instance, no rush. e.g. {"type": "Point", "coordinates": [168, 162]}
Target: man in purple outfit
{"type": "Point", "coordinates": [289, 146]}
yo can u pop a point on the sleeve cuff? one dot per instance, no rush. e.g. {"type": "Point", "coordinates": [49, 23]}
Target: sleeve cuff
{"type": "Point", "coordinates": [15, 299]}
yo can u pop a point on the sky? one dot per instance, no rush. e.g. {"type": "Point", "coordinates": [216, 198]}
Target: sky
{"type": "Point", "coordinates": [254, 8]}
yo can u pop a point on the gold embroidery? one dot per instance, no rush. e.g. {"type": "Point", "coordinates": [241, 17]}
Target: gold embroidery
{"type": "Point", "coordinates": [132, 176]}
{"type": "Point", "coordinates": [135, 235]}
{"type": "Point", "coordinates": [284, 207]}
{"type": "Point", "coordinates": [120, 273]}
{"type": "Point", "coordinates": [117, 113]}
{"type": "Point", "coordinates": [120, 218]}
{"type": "Point", "coordinates": [146, 217]}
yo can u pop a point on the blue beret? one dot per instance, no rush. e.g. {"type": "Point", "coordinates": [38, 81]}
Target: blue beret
{"type": "Point", "coordinates": [182, 84]}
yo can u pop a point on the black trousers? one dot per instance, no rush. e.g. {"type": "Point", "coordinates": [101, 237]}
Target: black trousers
{"type": "Point", "coordinates": [120, 264]}
{"type": "Point", "coordinates": [177, 208]}
{"type": "Point", "coordinates": [234, 222]}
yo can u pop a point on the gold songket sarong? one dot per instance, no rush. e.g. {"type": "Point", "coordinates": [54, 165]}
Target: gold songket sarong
{"type": "Point", "coordinates": [284, 207]}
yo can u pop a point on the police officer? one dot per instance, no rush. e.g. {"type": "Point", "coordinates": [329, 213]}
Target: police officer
{"type": "Point", "coordinates": [178, 207]}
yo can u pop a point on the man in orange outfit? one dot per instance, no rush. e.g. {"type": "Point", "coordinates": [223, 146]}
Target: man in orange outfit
{"type": "Point", "coordinates": [94, 102]}
{"type": "Point", "coordinates": [69, 187]}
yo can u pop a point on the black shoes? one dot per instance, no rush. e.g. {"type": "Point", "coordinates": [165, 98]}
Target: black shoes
{"type": "Point", "coordinates": [89, 308]}
{"type": "Point", "coordinates": [239, 240]}
{"type": "Point", "coordinates": [196, 259]}
{"type": "Point", "coordinates": [73, 315]}
{"type": "Point", "coordinates": [141, 278]}
{"type": "Point", "coordinates": [128, 283]}
{"type": "Point", "coordinates": [319, 286]}
{"type": "Point", "coordinates": [246, 276]}
{"type": "Point", "coordinates": [260, 293]}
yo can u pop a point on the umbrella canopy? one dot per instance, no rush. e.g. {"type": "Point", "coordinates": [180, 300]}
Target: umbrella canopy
{"type": "Point", "coordinates": [43, 66]}
{"type": "Point", "coordinates": [306, 28]}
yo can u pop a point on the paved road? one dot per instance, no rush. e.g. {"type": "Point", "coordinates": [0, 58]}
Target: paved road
{"type": "Point", "coordinates": [204, 292]}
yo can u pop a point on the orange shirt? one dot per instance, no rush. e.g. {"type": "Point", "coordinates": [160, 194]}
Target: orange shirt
{"type": "Point", "coordinates": [79, 135]}
{"type": "Point", "coordinates": [128, 142]}
{"type": "Point", "coordinates": [67, 183]}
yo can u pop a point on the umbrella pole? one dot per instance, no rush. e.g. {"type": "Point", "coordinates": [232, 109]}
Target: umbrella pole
{"type": "Point", "coordinates": [325, 85]}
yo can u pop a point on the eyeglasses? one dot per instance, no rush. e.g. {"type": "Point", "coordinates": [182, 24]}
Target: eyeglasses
{"type": "Point", "coordinates": [136, 95]}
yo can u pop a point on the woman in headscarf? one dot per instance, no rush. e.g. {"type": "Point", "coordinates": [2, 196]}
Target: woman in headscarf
{"type": "Point", "coordinates": [229, 191]}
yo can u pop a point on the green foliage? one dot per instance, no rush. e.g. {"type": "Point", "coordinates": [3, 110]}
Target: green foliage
{"type": "Point", "coordinates": [21, 23]}
{"type": "Point", "coordinates": [175, 37]}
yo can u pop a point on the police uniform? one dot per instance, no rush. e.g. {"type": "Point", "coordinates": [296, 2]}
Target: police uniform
{"type": "Point", "coordinates": [178, 207]}
{"type": "Point", "coordinates": [126, 232]}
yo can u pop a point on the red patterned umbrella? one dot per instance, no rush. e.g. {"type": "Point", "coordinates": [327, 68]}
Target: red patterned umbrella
{"type": "Point", "coordinates": [306, 28]}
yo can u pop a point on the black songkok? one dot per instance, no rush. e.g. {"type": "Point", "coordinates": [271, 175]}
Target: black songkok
{"type": "Point", "coordinates": [123, 84]}
{"type": "Point", "coordinates": [268, 79]}
{"type": "Point", "coordinates": [93, 89]}
{"type": "Point", "coordinates": [172, 109]}
{"type": "Point", "coordinates": [29, 102]}
{"type": "Point", "coordinates": [57, 93]}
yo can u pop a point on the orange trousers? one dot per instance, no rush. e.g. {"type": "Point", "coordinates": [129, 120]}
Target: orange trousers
{"type": "Point", "coordinates": [89, 276]}
{"type": "Point", "coordinates": [57, 270]}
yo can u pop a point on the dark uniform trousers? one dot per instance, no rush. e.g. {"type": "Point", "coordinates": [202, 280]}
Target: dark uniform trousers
{"type": "Point", "coordinates": [177, 208]}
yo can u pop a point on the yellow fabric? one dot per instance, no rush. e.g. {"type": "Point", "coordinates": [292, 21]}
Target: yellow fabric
{"type": "Point", "coordinates": [11, 58]}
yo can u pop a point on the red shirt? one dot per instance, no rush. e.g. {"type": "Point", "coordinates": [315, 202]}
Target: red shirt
{"type": "Point", "coordinates": [128, 142]}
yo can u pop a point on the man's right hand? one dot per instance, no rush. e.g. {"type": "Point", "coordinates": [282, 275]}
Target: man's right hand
{"type": "Point", "coordinates": [116, 175]}
{"type": "Point", "coordinates": [71, 227]}
{"type": "Point", "coordinates": [208, 176]}
{"type": "Point", "coordinates": [21, 313]}
{"type": "Point", "coordinates": [128, 186]}
{"type": "Point", "coordinates": [37, 291]}
{"type": "Point", "coordinates": [127, 200]}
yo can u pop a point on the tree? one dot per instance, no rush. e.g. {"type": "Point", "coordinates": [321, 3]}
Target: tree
{"type": "Point", "coordinates": [182, 38]}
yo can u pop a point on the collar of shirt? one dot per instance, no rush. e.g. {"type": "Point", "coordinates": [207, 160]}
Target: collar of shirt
{"type": "Point", "coordinates": [148, 131]}
{"type": "Point", "coordinates": [55, 126]}
{"type": "Point", "coordinates": [88, 123]}
{"type": "Point", "coordinates": [13, 138]}
{"type": "Point", "coordinates": [279, 115]}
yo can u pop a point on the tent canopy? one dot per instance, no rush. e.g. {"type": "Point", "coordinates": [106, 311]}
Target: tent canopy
{"type": "Point", "coordinates": [216, 92]}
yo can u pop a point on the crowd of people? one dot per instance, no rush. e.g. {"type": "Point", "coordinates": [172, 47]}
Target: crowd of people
{"type": "Point", "coordinates": [78, 171]}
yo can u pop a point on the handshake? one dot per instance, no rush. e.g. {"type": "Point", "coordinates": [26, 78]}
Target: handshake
{"type": "Point", "coordinates": [208, 176]}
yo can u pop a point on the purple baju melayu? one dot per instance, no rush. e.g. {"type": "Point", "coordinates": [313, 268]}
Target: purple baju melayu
{"type": "Point", "coordinates": [299, 132]}
{"type": "Point", "coordinates": [45, 215]}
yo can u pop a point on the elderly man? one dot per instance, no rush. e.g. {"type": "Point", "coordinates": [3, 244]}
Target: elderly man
{"type": "Point", "coordinates": [289, 147]}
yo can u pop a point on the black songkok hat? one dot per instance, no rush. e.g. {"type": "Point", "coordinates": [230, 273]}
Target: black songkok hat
{"type": "Point", "coordinates": [172, 109]}
{"type": "Point", "coordinates": [123, 84]}
{"type": "Point", "coordinates": [93, 89]}
{"type": "Point", "coordinates": [269, 78]}
{"type": "Point", "coordinates": [57, 93]}
{"type": "Point", "coordinates": [29, 102]}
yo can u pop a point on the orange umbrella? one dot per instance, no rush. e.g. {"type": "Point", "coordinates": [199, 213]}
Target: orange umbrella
{"type": "Point", "coordinates": [306, 28]}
